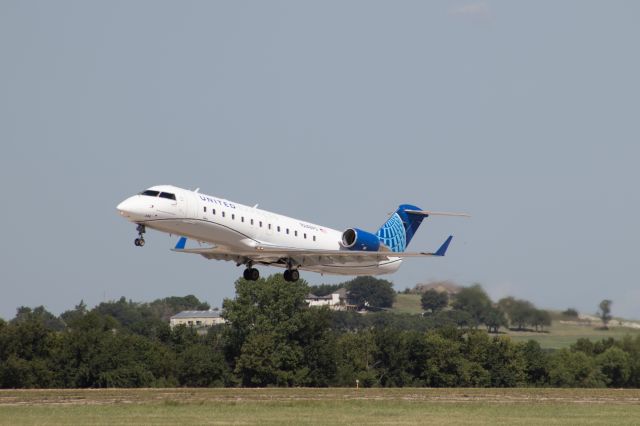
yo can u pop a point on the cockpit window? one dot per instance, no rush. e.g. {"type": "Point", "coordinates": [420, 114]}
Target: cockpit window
{"type": "Point", "coordinates": [168, 195]}
{"type": "Point", "coordinates": [150, 193]}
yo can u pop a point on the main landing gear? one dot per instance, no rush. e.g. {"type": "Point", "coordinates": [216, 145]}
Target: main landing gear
{"type": "Point", "coordinates": [139, 242]}
{"type": "Point", "coordinates": [291, 275]}
{"type": "Point", "coordinates": [251, 274]}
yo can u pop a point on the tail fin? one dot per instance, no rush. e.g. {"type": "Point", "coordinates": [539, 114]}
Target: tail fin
{"type": "Point", "coordinates": [398, 231]}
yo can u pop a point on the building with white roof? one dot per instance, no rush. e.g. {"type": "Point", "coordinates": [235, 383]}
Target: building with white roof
{"type": "Point", "coordinates": [196, 319]}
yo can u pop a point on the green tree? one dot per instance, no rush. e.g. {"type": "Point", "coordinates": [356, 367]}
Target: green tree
{"type": "Point", "coordinates": [631, 346]}
{"type": "Point", "coordinates": [74, 314]}
{"type": "Point", "coordinates": [494, 318]}
{"type": "Point", "coordinates": [371, 292]}
{"type": "Point", "coordinates": [453, 318]}
{"type": "Point", "coordinates": [605, 313]}
{"type": "Point", "coordinates": [164, 309]}
{"type": "Point", "coordinates": [570, 313]}
{"type": "Point", "coordinates": [324, 289]}
{"type": "Point", "coordinates": [540, 318]}
{"type": "Point", "coordinates": [574, 370]}
{"type": "Point", "coordinates": [355, 358]}
{"type": "Point", "coordinates": [318, 343]}
{"type": "Point", "coordinates": [50, 321]}
{"type": "Point", "coordinates": [473, 300]}
{"type": "Point", "coordinates": [497, 355]}
{"type": "Point", "coordinates": [520, 312]}
{"type": "Point", "coordinates": [24, 351]}
{"type": "Point", "coordinates": [434, 301]}
{"type": "Point", "coordinates": [536, 363]}
{"type": "Point", "coordinates": [392, 357]}
{"type": "Point", "coordinates": [615, 364]}
{"type": "Point", "coordinates": [438, 360]}
{"type": "Point", "coordinates": [269, 330]}
{"type": "Point", "coordinates": [136, 317]}
{"type": "Point", "coordinates": [201, 365]}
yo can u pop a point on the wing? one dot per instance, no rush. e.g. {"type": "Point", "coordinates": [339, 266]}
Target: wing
{"type": "Point", "coordinates": [262, 254]}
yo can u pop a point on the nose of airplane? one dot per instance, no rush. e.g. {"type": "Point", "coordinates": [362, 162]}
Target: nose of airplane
{"type": "Point", "coordinates": [125, 208]}
{"type": "Point", "coordinates": [132, 208]}
{"type": "Point", "coordinates": [122, 207]}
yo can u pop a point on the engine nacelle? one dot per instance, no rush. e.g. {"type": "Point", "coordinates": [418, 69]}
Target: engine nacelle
{"type": "Point", "coordinates": [357, 239]}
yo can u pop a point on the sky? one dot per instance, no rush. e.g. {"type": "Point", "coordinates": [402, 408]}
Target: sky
{"type": "Point", "coordinates": [524, 114]}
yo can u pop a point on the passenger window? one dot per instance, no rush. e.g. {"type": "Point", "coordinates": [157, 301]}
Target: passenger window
{"type": "Point", "coordinates": [287, 231]}
{"type": "Point", "coordinates": [205, 209]}
{"type": "Point", "coordinates": [295, 233]}
{"type": "Point", "coordinates": [251, 221]}
{"type": "Point", "coordinates": [260, 224]}
{"type": "Point", "coordinates": [223, 213]}
{"type": "Point", "coordinates": [304, 236]}
{"type": "Point", "coordinates": [214, 211]}
{"type": "Point", "coordinates": [278, 229]}
{"type": "Point", "coordinates": [269, 226]}
{"type": "Point", "coordinates": [233, 216]}
{"type": "Point", "coordinates": [314, 238]}
{"type": "Point", "coordinates": [242, 219]}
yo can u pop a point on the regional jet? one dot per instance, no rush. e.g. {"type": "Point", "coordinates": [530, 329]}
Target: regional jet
{"type": "Point", "coordinates": [250, 236]}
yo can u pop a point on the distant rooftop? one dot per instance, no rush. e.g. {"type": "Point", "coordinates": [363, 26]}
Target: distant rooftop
{"type": "Point", "coordinates": [314, 297]}
{"type": "Point", "coordinates": [197, 314]}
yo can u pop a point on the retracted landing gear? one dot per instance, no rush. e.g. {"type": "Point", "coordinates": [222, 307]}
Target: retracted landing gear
{"type": "Point", "coordinates": [139, 242]}
{"type": "Point", "coordinates": [291, 275]}
{"type": "Point", "coordinates": [251, 274]}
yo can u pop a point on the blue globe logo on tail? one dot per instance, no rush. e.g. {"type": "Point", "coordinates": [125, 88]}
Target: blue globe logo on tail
{"type": "Point", "coordinates": [398, 231]}
{"type": "Point", "coordinates": [392, 234]}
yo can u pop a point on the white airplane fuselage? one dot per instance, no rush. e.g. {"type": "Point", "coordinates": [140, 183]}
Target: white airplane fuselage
{"type": "Point", "coordinates": [236, 227]}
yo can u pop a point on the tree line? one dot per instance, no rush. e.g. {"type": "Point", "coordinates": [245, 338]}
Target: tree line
{"type": "Point", "coordinates": [480, 309]}
{"type": "Point", "coordinates": [272, 338]}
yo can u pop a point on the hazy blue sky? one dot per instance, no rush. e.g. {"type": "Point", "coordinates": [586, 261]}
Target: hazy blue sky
{"type": "Point", "coordinates": [524, 114]}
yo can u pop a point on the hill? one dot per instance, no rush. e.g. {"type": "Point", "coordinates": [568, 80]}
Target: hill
{"type": "Point", "coordinates": [561, 333]}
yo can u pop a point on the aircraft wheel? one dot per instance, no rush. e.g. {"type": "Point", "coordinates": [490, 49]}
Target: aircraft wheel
{"type": "Point", "coordinates": [141, 242]}
{"type": "Point", "coordinates": [246, 274]}
{"type": "Point", "coordinates": [287, 275]}
{"type": "Point", "coordinates": [294, 275]}
{"type": "Point", "coordinates": [137, 242]}
{"type": "Point", "coordinates": [254, 274]}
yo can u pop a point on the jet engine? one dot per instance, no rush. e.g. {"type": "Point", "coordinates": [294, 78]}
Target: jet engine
{"type": "Point", "coordinates": [357, 239]}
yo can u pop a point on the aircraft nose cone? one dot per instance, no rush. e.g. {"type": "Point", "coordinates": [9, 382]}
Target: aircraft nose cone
{"type": "Point", "coordinates": [127, 208]}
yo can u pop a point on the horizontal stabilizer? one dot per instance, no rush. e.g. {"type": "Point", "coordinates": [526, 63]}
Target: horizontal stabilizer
{"type": "Point", "coordinates": [443, 248]}
{"type": "Point", "coordinates": [182, 242]}
{"type": "Point", "coordinates": [431, 213]}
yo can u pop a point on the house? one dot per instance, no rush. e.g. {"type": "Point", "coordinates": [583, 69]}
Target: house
{"type": "Point", "coordinates": [337, 301]}
{"type": "Point", "coordinates": [197, 319]}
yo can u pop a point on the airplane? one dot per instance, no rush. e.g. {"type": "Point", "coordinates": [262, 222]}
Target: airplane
{"type": "Point", "coordinates": [250, 236]}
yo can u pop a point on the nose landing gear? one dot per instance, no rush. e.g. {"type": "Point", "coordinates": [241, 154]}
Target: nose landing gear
{"type": "Point", "coordinates": [139, 242]}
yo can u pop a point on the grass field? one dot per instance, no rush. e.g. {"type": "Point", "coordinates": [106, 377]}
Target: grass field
{"type": "Point", "coordinates": [563, 335]}
{"type": "Point", "coordinates": [407, 304]}
{"type": "Point", "coordinates": [559, 335]}
{"type": "Point", "coordinates": [320, 406]}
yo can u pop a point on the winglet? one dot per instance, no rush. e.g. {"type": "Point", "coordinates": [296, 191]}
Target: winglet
{"type": "Point", "coordinates": [181, 243]}
{"type": "Point", "coordinates": [443, 248]}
